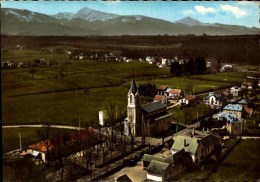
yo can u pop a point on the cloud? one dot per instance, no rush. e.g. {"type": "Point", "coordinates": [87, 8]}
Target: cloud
{"type": "Point", "coordinates": [188, 12]}
{"type": "Point", "coordinates": [203, 10]}
{"type": "Point", "coordinates": [237, 12]}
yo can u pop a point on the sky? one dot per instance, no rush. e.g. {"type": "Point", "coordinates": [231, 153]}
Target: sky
{"type": "Point", "coordinates": [243, 13]}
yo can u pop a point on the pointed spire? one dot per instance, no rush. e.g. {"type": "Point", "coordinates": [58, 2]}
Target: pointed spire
{"type": "Point", "coordinates": [133, 88]}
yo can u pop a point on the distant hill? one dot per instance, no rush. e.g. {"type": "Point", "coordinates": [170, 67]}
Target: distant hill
{"type": "Point", "coordinates": [91, 22]}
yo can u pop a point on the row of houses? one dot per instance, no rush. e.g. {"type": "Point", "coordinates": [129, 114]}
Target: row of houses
{"type": "Point", "coordinates": [22, 64]}
{"type": "Point", "coordinates": [187, 151]}
{"type": "Point", "coordinates": [166, 94]}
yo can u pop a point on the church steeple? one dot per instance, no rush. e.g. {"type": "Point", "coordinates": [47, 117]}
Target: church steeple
{"type": "Point", "coordinates": [133, 88]}
{"type": "Point", "coordinates": [133, 108]}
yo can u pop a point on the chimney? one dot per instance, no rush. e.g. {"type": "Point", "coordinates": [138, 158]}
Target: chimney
{"type": "Point", "coordinates": [185, 143]}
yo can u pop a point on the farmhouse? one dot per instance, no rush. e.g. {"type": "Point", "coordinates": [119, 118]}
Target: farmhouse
{"type": "Point", "coordinates": [145, 120]}
{"type": "Point", "coordinates": [199, 145]}
{"type": "Point", "coordinates": [188, 100]}
{"type": "Point", "coordinates": [235, 91]}
{"type": "Point", "coordinates": [162, 90]}
{"type": "Point", "coordinates": [175, 94]}
{"type": "Point", "coordinates": [160, 98]}
{"type": "Point", "coordinates": [50, 149]}
{"type": "Point", "coordinates": [248, 85]}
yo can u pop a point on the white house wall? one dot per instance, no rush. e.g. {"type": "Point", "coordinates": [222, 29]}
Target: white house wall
{"type": "Point", "coordinates": [154, 177]}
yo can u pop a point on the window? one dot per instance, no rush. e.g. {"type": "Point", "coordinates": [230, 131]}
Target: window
{"type": "Point", "coordinates": [131, 99]}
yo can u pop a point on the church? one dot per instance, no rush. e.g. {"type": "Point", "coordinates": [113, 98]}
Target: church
{"type": "Point", "coordinates": [145, 120]}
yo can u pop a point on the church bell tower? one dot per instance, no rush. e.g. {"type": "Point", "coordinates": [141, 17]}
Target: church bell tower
{"type": "Point", "coordinates": [133, 110]}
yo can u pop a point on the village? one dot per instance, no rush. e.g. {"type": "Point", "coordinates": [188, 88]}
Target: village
{"type": "Point", "coordinates": [150, 141]}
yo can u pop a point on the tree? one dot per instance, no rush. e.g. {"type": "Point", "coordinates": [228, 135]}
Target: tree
{"type": "Point", "coordinates": [46, 136]}
{"type": "Point", "coordinates": [32, 70]}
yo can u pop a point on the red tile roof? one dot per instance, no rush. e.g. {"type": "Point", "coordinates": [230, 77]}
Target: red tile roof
{"type": "Point", "coordinates": [175, 91]}
{"type": "Point", "coordinates": [189, 97]}
{"type": "Point", "coordinates": [159, 98]}
{"type": "Point", "coordinates": [72, 137]}
{"type": "Point", "coordinates": [162, 87]}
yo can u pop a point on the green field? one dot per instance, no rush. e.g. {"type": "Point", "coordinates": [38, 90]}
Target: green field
{"type": "Point", "coordinates": [86, 87]}
{"type": "Point", "coordinates": [63, 100]}
{"type": "Point", "coordinates": [241, 164]}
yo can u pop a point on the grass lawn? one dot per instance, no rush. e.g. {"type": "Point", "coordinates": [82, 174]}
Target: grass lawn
{"type": "Point", "coordinates": [241, 164]}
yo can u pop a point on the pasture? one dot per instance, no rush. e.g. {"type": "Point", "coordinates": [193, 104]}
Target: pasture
{"type": "Point", "coordinates": [73, 91]}
{"type": "Point", "coordinates": [242, 164]}
{"type": "Point", "coordinates": [84, 88]}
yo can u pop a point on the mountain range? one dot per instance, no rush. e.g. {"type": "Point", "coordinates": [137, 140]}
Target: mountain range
{"type": "Point", "coordinates": [91, 22]}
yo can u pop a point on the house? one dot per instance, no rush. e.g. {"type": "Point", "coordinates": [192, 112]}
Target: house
{"type": "Point", "coordinates": [213, 100]}
{"type": "Point", "coordinates": [188, 100]}
{"type": "Point", "coordinates": [235, 91]}
{"type": "Point", "coordinates": [48, 149]}
{"type": "Point", "coordinates": [176, 94]}
{"type": "Point", "coordinates": [234, 127]}
{"type": "Point", "coordinates": [248, 85]}
{"type": "Point", "coordinates": [162, 90]}
{"type": "Point", "coordinates": [234, 109]}
{"type": "Point", "coordinates": [160, 98]}
{"type": "Point", "coordinates": [199, 145]}
{"type": "Point", "coordinates": [164, 169]}
{"type": "Point", "coordinates": [248, 110]}
{"type": "Point", "coordinates": [159, 171]}
{"type": "Point", "coordinates": [145, 120]}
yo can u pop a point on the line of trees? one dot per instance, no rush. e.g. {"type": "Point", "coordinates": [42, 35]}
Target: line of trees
{"type": "Point", "coordinates": [192, 66]}
{"type": "Point", "coordinates": [147, 89]}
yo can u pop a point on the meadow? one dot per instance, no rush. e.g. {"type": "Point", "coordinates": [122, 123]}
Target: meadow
{"type": "Point", "coordinates": [242, 164]}
{"type": "Point", "coordinates": [73, 91]}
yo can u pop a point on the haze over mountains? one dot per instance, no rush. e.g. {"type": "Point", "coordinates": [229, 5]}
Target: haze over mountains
{"type": "Point", "coordinates": [91, 22]}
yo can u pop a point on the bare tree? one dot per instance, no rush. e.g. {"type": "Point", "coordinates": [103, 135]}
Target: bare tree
{"type": "Point", "coordinates": [32, 70]}
{"type": "Point", "coordinates": [46, 136]}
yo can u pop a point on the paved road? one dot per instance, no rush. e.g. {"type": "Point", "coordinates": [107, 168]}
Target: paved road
{"type": "Point", "coordinates": [42, 126]}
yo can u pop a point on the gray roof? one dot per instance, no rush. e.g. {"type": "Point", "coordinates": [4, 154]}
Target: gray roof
{"type": "Point", "coordinates": [228, 116]}
{"type": "Point", "coordinates": [149, 158]}
{"type": "Point", "coordinates": [163, 116]}
{"type": "Point", "coordinates": [156, 167]}
{"type": "Point", "coordinates": [233, 107]}
{"type": "Point", "coordinates": [153, 106]}
{"type": "Point", "coordinates": [191, 147]}
{"type": "Point", "coordinates": [210, 140]}
{"type": "Point", "coordinates": [177, 158]}
{"type": "Point", "coordinates": [216, 95]}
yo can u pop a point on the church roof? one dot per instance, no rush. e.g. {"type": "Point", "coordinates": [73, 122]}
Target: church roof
{"type": "Point", "coordinates": [153, 106]}
{"type": "Point", "coordinates": [133, 88]}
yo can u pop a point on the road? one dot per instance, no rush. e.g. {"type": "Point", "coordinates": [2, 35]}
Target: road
{"type": "Point", "coordinates": [42, 126]}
